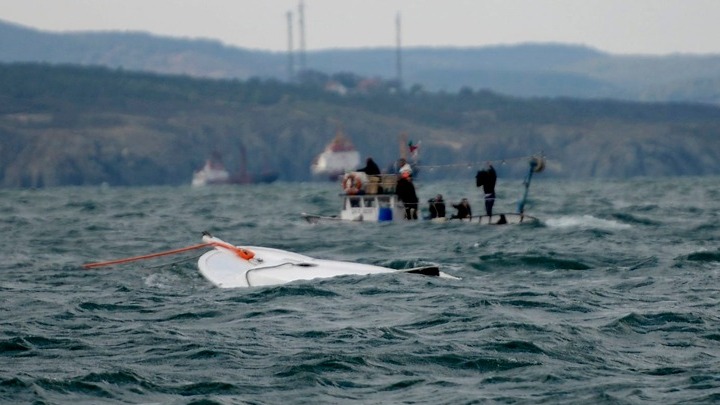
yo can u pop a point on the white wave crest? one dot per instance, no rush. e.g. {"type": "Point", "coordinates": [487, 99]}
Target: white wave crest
{"type": "Point", "coordinates": [586, 222]}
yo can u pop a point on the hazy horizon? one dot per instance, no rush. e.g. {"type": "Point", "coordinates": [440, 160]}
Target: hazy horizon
{"type": "Point", "coordinates": [645, 27]}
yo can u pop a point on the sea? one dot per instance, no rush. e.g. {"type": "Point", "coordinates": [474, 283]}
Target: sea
{"type": "Point", "coordinates": [612, 298]}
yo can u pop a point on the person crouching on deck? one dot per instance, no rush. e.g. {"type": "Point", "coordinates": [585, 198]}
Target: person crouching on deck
{"type": "Point", "coordinates": [463, 209]}
{"type": "Point", "coordinates": [437, 207]}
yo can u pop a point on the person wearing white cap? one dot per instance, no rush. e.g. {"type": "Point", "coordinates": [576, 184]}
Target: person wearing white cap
{"type": "Point", "coordinates": [404, 167]}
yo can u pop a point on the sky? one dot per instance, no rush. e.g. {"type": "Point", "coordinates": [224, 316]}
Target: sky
{"type": "Point", "coordinates": [646, 27]}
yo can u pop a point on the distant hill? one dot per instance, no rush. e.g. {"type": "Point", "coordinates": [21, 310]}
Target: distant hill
{"type": "Point", "coordinates": [66, 125]}
{"type": "Point", "coordinates": [530, 70]}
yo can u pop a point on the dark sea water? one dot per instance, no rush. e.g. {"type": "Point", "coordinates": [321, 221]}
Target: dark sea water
{"type": "Point", "coordinates": [612, 299]}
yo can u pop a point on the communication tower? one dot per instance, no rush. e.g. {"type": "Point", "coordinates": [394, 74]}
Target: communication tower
{"type": "Point", "coordinates": [291, 58]}
{"type": "Point", "coordinates": [301, 18]}
{"type": "Point", "coordinates": [398, 62]}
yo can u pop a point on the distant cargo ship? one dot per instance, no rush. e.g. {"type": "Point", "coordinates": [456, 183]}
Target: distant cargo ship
{"type": "Point", "coordinates": [214, 172]}
{"type": "Point", "coordinates": [339, 157]}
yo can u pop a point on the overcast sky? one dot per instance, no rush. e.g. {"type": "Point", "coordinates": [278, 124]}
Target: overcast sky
{"type": "Point", "coordinates": [617, 26]}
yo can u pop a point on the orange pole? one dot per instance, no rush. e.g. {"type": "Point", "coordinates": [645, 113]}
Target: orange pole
{"type": "Point", "coordinates": [149, 256]}
{"type": "Point", "coordinates": [242, 253]}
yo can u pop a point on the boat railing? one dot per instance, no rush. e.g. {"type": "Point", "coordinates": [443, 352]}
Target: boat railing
{"type": "Point", "coordinates": [381, 184]}
{"type": "Point", "coordinates": [361, 184]}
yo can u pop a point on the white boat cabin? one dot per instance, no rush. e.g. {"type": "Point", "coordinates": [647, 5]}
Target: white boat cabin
{"type": "Point", "coordinates": [370, 198]}
{"type": "Point", "coordinates": [371, 208]}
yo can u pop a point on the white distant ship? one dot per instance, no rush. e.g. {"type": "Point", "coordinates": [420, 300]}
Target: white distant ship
{"type": "Point", "coordinates": [338, 158]}
{"type": "Point", "coordinates": [212, 173]}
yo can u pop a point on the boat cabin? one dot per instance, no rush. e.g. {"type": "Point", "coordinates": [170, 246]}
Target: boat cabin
{"type": "Point", "coordinates": [370, 198]}
{"type": "Point", "coordinates": [371, 208]}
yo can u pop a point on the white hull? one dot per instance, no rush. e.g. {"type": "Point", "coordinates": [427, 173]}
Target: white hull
{"type": "Point", "coordinates": [207, 178]}
{"type": "Point", "coordinates": [211, 173]}
{"type": "Point", "coordinates": [369, 206]}
{"type": "Point", "coordinates": [365, 208]}
{"type": "Point", "coordinates": [338, 157]}
{"type": "Point", "coordinates": [225, 269]}
{"type": "Point", "coordinates": [510, 219]}
{"type": "Point", "coordinates": [333, 164]}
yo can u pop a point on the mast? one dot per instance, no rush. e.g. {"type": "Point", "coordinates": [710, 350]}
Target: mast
{"type": "Point", "coordinates": [537, 164]}
{"type": "Point", "coordinates": [403, 145]}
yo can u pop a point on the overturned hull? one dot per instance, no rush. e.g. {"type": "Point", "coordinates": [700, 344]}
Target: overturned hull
{"type": "Point", "coordinates": [267, 266]}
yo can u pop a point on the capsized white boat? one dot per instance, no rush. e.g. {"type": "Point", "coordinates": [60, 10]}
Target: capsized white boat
{"type": "Point", "coordinates": [229, 266]}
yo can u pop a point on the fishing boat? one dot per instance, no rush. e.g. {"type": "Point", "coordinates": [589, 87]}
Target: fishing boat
{"type": "Point", "coordinates": [228, 266]}
{"type": "Point", "coordinates": [339, 157]}
{"type": "Point", "coordinates": [387, 207]}
{"type": "Point", "coordinates": [373, 199]}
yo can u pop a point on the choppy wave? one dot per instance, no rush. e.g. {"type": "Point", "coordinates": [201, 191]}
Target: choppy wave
{"type": "Point", "coordinates": [612, 299]}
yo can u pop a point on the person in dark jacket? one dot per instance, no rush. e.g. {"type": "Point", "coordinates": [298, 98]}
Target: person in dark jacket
{"type": "Point", "coordinates": [437, 207]}
{"type": "Point", "coordinates": [486, 179]}
{"type": "Point", "coordinates": [405, 191]}
{"type": "Point", "coordinates": [463, 209]}
{"type": "Point", "coordinates": [371, 168]}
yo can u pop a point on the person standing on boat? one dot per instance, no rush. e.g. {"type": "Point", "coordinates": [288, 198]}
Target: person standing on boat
{"type": "Point", "coordinates": [405, 191]}
{"type": "Point", "coordinates": [437, 207]}
{"type": "Point", "coordinates": [463, 210]}
{"type": "Point", "coordinates": [487, 179]}
{"type": "Point", "coordinates": [371, 168]}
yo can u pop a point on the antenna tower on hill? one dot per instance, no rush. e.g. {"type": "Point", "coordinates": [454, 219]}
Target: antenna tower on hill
{"type": "Point", "coordinates": [398, 51]}
{"type": "Point", "coordinates": [290, 61]}
{"type": "Point", "coordinates": [301, 18]}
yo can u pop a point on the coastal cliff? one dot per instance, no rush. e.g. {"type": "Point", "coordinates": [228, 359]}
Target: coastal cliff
{"type": "Point", "coordinates": [67, 125]}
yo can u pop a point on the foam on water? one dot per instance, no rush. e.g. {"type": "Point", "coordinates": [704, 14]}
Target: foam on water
{"type": "Point", "coordinates": [584, 222]}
